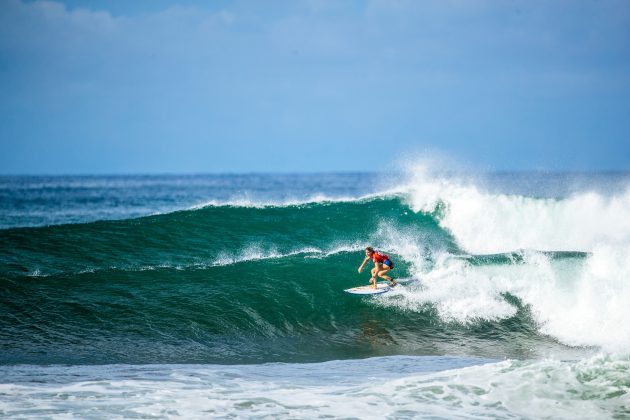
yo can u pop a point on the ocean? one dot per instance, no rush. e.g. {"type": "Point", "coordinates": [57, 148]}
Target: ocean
{"type": "Point", "coordinates": [157, 296]}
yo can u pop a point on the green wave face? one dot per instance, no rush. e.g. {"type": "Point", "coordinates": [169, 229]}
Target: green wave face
{"type": "Point", "coordinates": [230, 284]}
{"type": "Point", "coordinates": [205, 237]}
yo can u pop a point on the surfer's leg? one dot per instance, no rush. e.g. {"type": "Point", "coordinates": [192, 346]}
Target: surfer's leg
{"type": "Point", "coordinates": [383, 274]}
{"type": "Point", "coordinates": [373, 278]}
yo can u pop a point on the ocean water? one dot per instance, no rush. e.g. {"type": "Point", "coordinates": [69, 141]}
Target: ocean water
{"type": "Point", "coordinates": [222, 296]}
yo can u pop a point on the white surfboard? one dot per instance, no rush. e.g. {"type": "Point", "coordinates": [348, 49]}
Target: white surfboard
{"type": "Point", "coordinates": [381, 287]}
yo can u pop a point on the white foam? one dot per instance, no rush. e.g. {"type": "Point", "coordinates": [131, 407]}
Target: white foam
{"type": "Point", "coordinates": [594, 310]}
{"type": "Point", "coordinates": [596, 387]}
{"type": "Point", "coordinates": [483, 222]}
{"type": "Point", "coordinates": [457, 292]}
{"type": "Point", "coordinates": [593, 388]}
{"type": "Point", "coordinates": [578, 301]}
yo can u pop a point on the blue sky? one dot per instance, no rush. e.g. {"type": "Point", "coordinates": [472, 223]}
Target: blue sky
{"type": "Point", "coordinates": [283, 86]}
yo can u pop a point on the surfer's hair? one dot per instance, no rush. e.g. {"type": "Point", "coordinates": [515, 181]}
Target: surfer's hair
{"type": "Point", "coordinates": [369, 248]}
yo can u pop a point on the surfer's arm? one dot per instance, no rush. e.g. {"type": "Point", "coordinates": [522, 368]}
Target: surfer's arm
{"type": "Point", "coordinates": [363, 263]}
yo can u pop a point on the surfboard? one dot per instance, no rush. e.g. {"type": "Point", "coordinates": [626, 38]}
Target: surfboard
{"type": "Point", "coordinates": [381, 287]}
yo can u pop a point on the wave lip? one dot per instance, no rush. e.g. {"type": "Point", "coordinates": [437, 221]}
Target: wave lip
{"type": "Point", "coordinates": [322, 199]}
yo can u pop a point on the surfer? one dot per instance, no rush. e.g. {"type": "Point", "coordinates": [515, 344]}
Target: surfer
{"type": "Point", "coordinates": [382, 264]}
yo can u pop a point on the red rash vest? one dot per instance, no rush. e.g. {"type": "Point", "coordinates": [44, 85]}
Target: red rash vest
{"type": "Point", "coordinates": [379, 257]}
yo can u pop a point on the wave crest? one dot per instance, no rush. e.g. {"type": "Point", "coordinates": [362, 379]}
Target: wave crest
{"type": "Point", "coordinates": [484, 222]}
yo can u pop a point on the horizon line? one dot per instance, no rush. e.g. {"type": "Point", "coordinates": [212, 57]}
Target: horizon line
{"type": "Point", "coordinates": [332, 172]}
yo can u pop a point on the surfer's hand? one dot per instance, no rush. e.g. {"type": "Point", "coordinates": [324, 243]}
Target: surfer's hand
{"type": "Point", "coordinates": [359, 270]}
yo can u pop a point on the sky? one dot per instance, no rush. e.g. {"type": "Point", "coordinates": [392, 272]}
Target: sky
{"type": "Point", "coordinates": [155, 86]}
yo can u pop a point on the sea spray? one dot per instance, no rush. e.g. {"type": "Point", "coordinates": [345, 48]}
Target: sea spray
{"type": "Point", "coordinates": [484, 222]}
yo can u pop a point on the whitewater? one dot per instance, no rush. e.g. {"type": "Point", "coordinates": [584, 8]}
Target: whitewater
{"type": "Point", "coordinates": [222, 295]}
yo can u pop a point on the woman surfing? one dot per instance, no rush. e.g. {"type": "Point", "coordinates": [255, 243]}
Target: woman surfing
{"type": "Point", "coordinates": [382, 264]}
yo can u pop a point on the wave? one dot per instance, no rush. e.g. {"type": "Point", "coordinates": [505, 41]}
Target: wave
{"type": "Point", "coordinates": [269, 309]}
{"type": "Point", "coordinates": [231, 283]}
{"type": "Point", "coordinates": [203, 237]}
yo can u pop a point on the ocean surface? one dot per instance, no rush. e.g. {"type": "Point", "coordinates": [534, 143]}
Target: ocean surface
{"type": "Point", "coordinates": [222, 296]}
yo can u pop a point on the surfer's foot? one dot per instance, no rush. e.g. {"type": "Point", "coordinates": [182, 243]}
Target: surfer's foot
{"type": "Point", "coordinates": [394, 283]}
